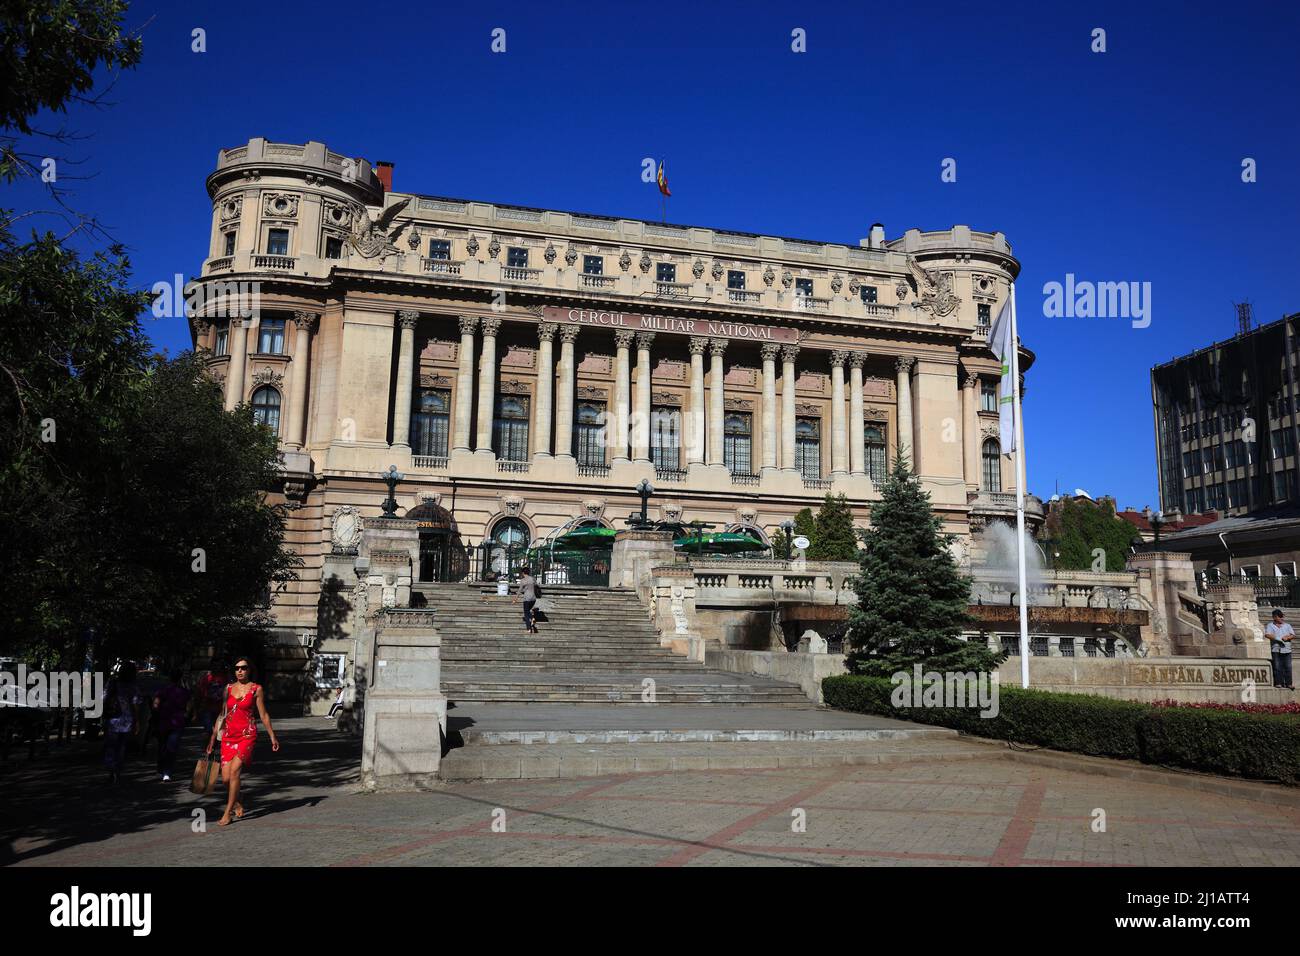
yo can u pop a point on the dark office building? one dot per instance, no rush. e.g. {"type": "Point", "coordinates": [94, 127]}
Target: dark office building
{"type": "Point", "coordinates": [1205, 402]}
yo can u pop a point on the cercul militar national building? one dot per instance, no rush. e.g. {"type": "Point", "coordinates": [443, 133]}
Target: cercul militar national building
{"type": "Point", "coordinates": [524, 367]}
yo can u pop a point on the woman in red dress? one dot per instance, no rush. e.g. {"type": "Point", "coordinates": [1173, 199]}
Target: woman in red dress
{"type": "Point", "coordinates": [239, 734]}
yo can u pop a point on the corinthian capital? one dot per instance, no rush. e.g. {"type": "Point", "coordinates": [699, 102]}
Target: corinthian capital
{"type": "Point", "coordinates": [838, 358]}
{"type": "Point", "coordinates": [491, 326]}
{"type": "Point", "coordinates": [569, 333]}
{"type": "Point", "coordinates": [698, 344]}
{"type": "Point", "coordinates": [407, 318]}
{"type": "Point", "coordinates": [468, 323]}
{"type": "Point", "coordinates": [904, 363]}
{"type": "Point", "coordinates": [789, 353]}
{"type": "Point", "coordinates": [306, 321]}
{"type": "Point", "coordinates": [857, 359]}
{"type": "Point", "coordinates": [770, 351]}
{"type": "Point", "coordinates": [546, 331]}
{"type": "Point", "coordinates": [623, 338]}
{"type": "Point", "coordinates": [717, 346]}
{"type": "Point", "coordinates": [644, 340]}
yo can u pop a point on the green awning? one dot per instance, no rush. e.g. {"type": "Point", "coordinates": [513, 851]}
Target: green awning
{"type": "Point", "coordinates": [723, 542]}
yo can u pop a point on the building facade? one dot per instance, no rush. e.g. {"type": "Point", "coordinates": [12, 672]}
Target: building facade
{"type": "Point", "coordinates": [1226, 423]}
{"type": "Point", "coordinates": [525, 367]}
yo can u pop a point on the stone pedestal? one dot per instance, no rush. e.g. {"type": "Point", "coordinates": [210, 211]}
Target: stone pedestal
{"type": "Point", "coordinates": [672, 607]}
{"type": "Point", "coordinates": [1233, 613]}
{"type": "Point", "coordinates": [634, 554]}
{"type": "Point", "coordinates": [406, 711]}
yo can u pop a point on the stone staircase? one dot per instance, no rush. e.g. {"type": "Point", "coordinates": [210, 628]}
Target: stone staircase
{"type": "Point", "coordinates": [599, 648]}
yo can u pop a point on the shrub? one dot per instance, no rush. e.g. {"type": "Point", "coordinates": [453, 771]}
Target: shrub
{"type": "Point", "coordinates": [1227, 741]}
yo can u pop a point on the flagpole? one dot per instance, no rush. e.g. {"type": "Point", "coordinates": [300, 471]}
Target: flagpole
{"type": "Point", "coordinates": [1020, 496]}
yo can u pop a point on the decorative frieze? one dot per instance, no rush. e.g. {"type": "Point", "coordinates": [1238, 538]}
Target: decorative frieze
{"type": "Point", "coordinates": [433, 380]}
{"type": "Point", "coordinates": [514, 386]}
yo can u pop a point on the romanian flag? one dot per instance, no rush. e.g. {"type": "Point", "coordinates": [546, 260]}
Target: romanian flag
{"type": "Point", "coordinates": [663, 180]}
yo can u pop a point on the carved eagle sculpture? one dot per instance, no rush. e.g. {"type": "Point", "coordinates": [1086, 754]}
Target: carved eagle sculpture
{"type": "Point", "coordinates": [371, 236]}
{"type": "Point", "coordinates": [934, 293]}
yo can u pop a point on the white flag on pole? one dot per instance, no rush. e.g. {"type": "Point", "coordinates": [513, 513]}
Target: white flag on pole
{"type": "Point", "coordinates": [1002, 341]}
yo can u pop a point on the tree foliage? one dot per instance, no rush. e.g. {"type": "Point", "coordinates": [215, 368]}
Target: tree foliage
{"type": "Point", "coordinates": [115, 465]}
{"type": "Point", "coordinates": [1076, 528]}
{"type": "Point", "coordinates": [834, 537]}
{"type": "Point", "coordinates": [912, 600]}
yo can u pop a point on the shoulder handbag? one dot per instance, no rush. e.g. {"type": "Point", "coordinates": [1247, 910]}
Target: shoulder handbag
{"type": "Point", "coordinates": [221, 720]}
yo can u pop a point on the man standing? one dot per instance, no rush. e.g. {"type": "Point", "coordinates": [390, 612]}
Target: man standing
{"type": "Point", "coordinates": [1280, 636]}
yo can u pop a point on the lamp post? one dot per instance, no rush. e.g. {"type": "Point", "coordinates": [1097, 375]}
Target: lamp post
{"type": "Point", "coordinates": [645, 489]}
{"type": "Point", "coordinates": [1160, 519]}
{"type": "Point", "coordinates": [787, 526]}
{"type": "Point", "coordinates": [391, 477]}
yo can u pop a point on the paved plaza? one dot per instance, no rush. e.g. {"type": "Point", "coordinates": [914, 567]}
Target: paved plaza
{"type": "Point", "coordinates": [305, 809]}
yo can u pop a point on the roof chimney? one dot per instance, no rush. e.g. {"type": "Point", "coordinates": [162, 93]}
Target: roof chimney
{"type": "Point", "coordinates": [877, 236]}
{"type": "Point", "coordinates": [384, 173]}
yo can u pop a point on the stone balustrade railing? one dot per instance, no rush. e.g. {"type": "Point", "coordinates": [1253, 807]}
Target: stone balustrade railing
{"type": "Point", "coordinates": [739, 581]}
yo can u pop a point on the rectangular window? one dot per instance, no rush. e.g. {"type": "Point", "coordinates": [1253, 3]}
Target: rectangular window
{"type": "Point", "coordinates": [875, 439]}
{"type": "Point", "coordinates": [439, 248]}
{"type": "Point", "coordinates": [736, 443]}
{"type": "Point", "coordinates": [803, 286]}
{"type": "Point", "coordinates": [590, 433]}
{"type": "Point", "coordinates": [270, 338]}
{"type": "Point", "coordinates": [808, 446]}
{"type": "Point", "coordinates": [1249, 572]}
{"type": "Point", "coordinates": [1284, 569]}
{"type": "Point", "coordinates": [329, 670]}
{"type": "Point", "coordinates": [1187, 464]}
{"type": "Point", "coordinates": [735, 279]}
{"type": "Point", "coordinates": [517, 257]}
{"type": "Point", "coordinates": [223, 341]}
{"type": "Point", "coordinates": [1189, 501]}
{"type": "Point", "coordinates": [1281, 485]}
{"type": "Point", "coordinates": [593, 265]}
{"type": "Point", "coordinates": [430, 422]}
{"type": "Point", "coordinates": [869, 294]}
{"type": "Point", "coordinates": [510, 430]}
{"type": "Point", "coordinates": [1207, 460]}
{"type": "Point", "coordinates": [277, 242]}
{"type": "Point", "coordinates": [984, 315]}
{"type": "Point", "coordinates": [665, 272]}
{"type": "Point", "coordinates": [988, 396]}
{"type": "Point", "coordinates": [333, 247]}
{"type": "Point", "coordinates": [666, 437]}
{"type": "Point", "coordinates": [230, 244]}
{"type": "Point", "coordinates": [1283, 442]}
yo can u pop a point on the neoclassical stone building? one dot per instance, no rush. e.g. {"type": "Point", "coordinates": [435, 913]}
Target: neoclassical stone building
{"type": "Point", "coordinates": [522, 367]}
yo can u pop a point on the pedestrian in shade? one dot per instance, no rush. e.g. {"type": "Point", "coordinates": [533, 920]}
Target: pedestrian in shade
{"type": "Point", "coordinates": [169, 706]}
{"type": "Point", "coordinates": [121, 718]}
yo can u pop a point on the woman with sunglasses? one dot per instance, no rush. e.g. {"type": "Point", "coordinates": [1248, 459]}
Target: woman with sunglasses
{"type": "Point", "coordinates": [239, 734]}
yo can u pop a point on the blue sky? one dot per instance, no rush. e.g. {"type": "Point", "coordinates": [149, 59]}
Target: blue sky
{"type": "Point", "coordinates": [1115, 166]}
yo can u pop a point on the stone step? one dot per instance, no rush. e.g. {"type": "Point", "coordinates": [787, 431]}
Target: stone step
{"type": "Point", "coordinates": [539, 761]}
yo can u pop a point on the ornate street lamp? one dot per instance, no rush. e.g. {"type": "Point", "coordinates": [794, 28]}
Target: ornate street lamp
{"type": "Point", "coordinates": [645, 490]}
{"type": "Point", "coordinates": [1161, 518]}
{"type": "Point", "coordinates": [788, 527]}
{"type": "Point", "coordinates": [391, 477]}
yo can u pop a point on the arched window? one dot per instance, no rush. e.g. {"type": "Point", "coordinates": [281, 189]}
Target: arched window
{"type": "Point", "coordinates": [266, 407]}
{"type": "Point", "coordinates": [875, 440]}
{"type": "Point", "coordinates": [511, 533]}
{"type": "Point", "coordinates": [992, 465]}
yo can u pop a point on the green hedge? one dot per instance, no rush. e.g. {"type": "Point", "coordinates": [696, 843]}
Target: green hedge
{"type": "Point", "coordinates": [1262, 746]}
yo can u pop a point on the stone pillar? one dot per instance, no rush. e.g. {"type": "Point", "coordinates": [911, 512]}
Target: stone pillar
{"type": "Point", "coordinates": [695, 440]}
{"type": "Point", "coordinates": [839, 436]}
{"type": "Point", "coordinates": [465, 384]}
{"type": "Point", "coordinates": [770, 351]}
{"type": "Point", "coordinates": [857, 430]}
{"type": "Point", "coordinates": [622, 395]}
{"type": "Point", "coordinates": [564, 400]}
{"type": "Point", "coordinates": [905, 442]}
{"type": "Point", "coordinates": [717, 403]}
{"type": "Point", "coordinates": [487, 378]}
{"type": "Point", "coordinates": [406, 320]}
{"type": "Point", "coordinates": [545, 386]}
{"type": "Point", "coordinates": [788, 354]}
{"type": "Point", "coordinates": [970, 433]}
{"type": "Point", "coordinates": [238, 360]}
{"type": "Point", "coordinates": [306, 322]}
{"type": "Point", "coordinates": [641, 417]}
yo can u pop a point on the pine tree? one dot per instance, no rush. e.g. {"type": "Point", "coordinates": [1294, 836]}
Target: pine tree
{"type": "Point", "coordinates": [805, 524]}
{"type": "Point", "coordinates": [834, 538]}
{"type": "Point", "coordinates": [781, 546]}
{"type": "Point", "coordinates": [912, 601]}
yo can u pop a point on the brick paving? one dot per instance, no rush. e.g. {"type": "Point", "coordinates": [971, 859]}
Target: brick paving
{"type": "Point", "coordinates": [305, 809]}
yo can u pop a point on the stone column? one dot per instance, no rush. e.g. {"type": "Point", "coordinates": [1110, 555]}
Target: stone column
{"type": "Point", "coordinates": [770, 351]}
{"type": "Point", "coordinates": [545, 386]}
{"type": "Point", "coordinates": [641, 419]}
{"type": "Point", "coordinates": [406, 320]}
{"type": "Point", "coordinates": [696, 435]}
{"type": "Point", "coordinates": [465, 384]}
{"type": "Point", "coordinates": [839, 437]}
{"type": "Point", "coordinates": [788, 354]}
{"type": "Point", "coordinates": [487, 377]}
{"type": "Point", "coordinates": [970, 434]}
{"type": "Point", "coordinates": [717, 404]}
{"type": "Point", "coordinates": [306, 322]}
{"type": "Point", "coordinates": [564, 400]}
{"type": "Point", "coordinates": [857, 431]}
{"type": "Point", "coordinates": [237, 347]}
{"type": "Point", "coordinates": [622, 395]}
{"type": "Point", "coordinates": [905, 444]}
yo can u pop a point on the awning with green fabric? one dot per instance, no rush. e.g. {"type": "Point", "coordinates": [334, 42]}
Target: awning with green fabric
{"type": "Point", "coordinates": [722, 542]}
{"type": "Point", "coordinates": [585, 539]}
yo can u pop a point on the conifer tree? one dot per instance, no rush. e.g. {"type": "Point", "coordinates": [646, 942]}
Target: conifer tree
{"type": "Point", "coordinates": [834, 538]}
{"type": "Point", "coordinates": [912, 600]}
